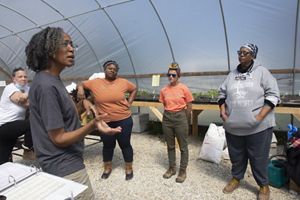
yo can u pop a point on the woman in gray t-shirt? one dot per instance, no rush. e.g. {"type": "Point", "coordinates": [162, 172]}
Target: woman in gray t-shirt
{"type": "Point", "coordinates": [56, 130]}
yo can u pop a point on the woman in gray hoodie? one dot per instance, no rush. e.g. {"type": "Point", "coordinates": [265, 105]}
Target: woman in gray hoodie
{"type": "Point", "coordinates": [247, 99]}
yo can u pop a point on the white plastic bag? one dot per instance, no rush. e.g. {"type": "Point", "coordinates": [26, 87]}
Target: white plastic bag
{"type": "Point", "coordinates": [225, 154]}
{"type": "Point", "coordinates": [213, 144]}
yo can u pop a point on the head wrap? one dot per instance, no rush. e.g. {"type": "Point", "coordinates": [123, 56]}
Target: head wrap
{"type": "Point", "coordinates": [252, 47]}
{"type": "Point", "coordinates": [175, 66]}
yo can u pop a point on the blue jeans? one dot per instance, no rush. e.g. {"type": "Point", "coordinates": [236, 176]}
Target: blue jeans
{"type": "Point", "coordinates": [123, 138]}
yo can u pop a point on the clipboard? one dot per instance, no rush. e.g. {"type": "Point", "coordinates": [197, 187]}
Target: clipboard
{"type": "Point", "coordinates": [21, 182]}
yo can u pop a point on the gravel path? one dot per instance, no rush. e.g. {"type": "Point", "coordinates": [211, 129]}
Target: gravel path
{"type": "Point", "coordinates": [204, 180]}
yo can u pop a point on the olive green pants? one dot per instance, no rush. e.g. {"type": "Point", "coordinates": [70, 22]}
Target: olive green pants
{"type": "Point", "coordinates": [175, 124]}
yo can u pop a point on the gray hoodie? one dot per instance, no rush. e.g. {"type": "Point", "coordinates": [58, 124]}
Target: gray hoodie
{"type": "Point", "coordinates": [245, 95]}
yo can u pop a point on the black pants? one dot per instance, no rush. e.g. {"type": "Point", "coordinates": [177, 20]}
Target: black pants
{"type": "Point", "coordinates": [123, 138]}
{"type": "Point", "coordinates": [255, 148]}
{"type": "Point", "coordinates": [9, 134]}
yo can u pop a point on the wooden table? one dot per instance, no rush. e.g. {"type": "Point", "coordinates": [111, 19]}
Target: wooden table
{"type": "Point", "coordinates": [198, 108]}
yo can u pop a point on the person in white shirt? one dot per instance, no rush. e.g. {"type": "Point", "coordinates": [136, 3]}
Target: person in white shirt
{"type": "Point", "coordinates": [13, 123]}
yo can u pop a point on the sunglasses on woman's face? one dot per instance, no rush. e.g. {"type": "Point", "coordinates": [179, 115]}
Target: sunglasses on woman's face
{"type": "Point", "coordinates": [172, 75]}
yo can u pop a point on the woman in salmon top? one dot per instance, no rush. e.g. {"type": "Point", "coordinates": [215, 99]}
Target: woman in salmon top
{"type": "Point", "coordinates": [109, 97]}
{"type": "Point", "coordinates": [177, 100]}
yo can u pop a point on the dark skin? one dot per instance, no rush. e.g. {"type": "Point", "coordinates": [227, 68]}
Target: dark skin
{"type": "Point", "coordinates": [245, 60]}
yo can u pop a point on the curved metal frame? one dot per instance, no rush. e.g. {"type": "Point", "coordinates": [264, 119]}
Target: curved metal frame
{"type": "Point", "coordinates": [18, 14]}
{"type": "Point", "coordinates": [2, 69]}
{"type": "Point", "coordinates": [225, 33]}
{"type": "Point", "coordinates": [295, 46]}
{"type": "Point", "coordinates": [9, 47]}
{"type": "Point", "coordinates": [68, 19]}
{"type": "Point", "coordinates": [12, 33]}
{"type": "Point", "coordinates": [165, 30]}
{"type": "Point", "coordinates": [124, 43]}
{"type": "Point", "coordinates": [122, 39]}
{"type": "Point", "coordinates": [12, 51]}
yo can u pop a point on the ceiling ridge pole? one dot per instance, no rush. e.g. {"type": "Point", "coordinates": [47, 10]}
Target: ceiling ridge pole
{"type": "Point", "coordinates": [226, 37]}
{"type": "Point", "coordinates": [164, 29]}
{"type": "Point", "coordinates": [124, 43]}
{"type": "Point", "coordinates": [295, 47]}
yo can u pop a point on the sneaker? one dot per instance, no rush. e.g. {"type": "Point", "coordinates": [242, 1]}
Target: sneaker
{"type": "Point", "coordinates": [28, 154]}
{"type": "Point", "coordinates": [231, 186]}
{"type": "Point", "coordinates": [170, 172]}
{"type": "Point", "coordinates": [264, 193]}
{"type": "Point", "coordinates": [25, 147]}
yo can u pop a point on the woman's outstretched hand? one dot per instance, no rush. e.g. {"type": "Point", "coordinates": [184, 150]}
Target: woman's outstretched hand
{"type": "Point", "coordinates": [103, 127]}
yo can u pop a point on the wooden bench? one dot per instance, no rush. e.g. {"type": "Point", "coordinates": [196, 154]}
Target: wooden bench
{"type": "Point", "coordinates": [198, 108]}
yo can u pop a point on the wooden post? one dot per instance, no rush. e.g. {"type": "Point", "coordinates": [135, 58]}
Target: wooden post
{"type": "Point", "coordinates": [195, 122]}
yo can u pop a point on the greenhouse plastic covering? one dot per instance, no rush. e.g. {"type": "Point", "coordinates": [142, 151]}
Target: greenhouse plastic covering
{"type": "Point", "coordinates": [145, 36]}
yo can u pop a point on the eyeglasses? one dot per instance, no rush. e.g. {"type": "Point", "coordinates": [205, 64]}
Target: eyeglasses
{"type": "Point", "coordinates": [240, 77]}
{"type": "Point", "coordinates": [68, 42]}
{"type": "Point", "coordinates": [245, 53]}
{"type": "Point", "coordinates": [172, 75]}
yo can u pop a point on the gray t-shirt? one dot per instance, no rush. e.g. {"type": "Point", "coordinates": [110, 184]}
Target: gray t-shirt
{"type": "Point", "coordinates": [51, 107]}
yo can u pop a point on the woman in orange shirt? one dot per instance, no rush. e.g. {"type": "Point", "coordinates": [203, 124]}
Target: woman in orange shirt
{"type": "Point", "coordinates": [109, 97]}
{"type": "Point", "coordinates": [177, 100]}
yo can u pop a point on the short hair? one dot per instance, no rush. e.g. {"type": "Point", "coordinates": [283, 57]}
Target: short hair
{"type": "Point", "coordinates": [43, 46]}
{"type": "Point", "coordinates": [110, 62]}
{"type": "Point", "coordinates": [175, 66]}
{"type": "Point", "coordinates": [16, 70]}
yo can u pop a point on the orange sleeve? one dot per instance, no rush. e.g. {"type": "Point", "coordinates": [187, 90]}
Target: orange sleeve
{"type": "Point", "coordinates": [161, 98]}
{"type": "Point", "coordinates": [188, 95]}
{"type": "Point", "coordinates": [86, 84]}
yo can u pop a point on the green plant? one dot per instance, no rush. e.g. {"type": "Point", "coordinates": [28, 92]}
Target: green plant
{"type": "Point", "coordinates": [144, 93]}
{"type": "Point", "coordinates": [211, 94]}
